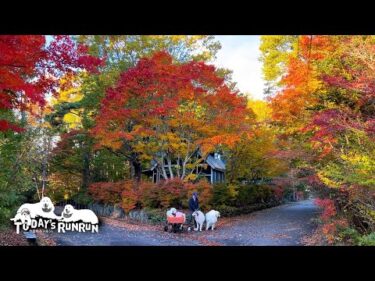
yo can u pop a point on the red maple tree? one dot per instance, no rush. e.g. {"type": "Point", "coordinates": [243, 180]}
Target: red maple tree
{"type": "Point", "coordinates": [29, 69]}
{"type": "Point", "coordinates": [165, 111]}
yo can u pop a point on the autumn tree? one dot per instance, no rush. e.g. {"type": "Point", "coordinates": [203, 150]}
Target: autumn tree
{"type": "Point", "coordinates": [276, 51]}
{"type": "Point", "coordinates": [78, 101]}
{"type": "Point", "coordinates": [29, 69]}
{"type": "Point", "coordinates": [325, 107]}
{"type": "Point", "coordinates": [256, 158]}
{"type": "Point", "coordinates": [167, 112]}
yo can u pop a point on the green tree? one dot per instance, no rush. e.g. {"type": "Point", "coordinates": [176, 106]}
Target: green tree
{"type": "Point", "coordinates": [275, 53]}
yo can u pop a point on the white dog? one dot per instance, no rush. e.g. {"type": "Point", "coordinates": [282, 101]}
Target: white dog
{"type": "Point", "coordinates": [73, 215]}
{"type": "Point", "coordinates": [211, 219]}
{"type": "Point", "coordinates": [171, 212]}
{"type": "Point", "coordinates": [199, 219]}
{"type": "Point", "coordinates": [28, 211]}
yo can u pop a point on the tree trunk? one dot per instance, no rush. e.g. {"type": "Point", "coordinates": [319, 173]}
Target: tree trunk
{"type": "Point", "coordinates": [86, 169]}
{"type": "Point", "coordinates": [136, 170]}
{"type": "Point", "coordinates": [170, 167]}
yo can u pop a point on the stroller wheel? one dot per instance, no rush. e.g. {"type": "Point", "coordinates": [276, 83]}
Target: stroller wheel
{"type": "Point", "coordinates": [166, 228]}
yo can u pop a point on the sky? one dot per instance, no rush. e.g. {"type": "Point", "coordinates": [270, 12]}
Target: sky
{"type": "Point", "coordinates": [240, 53]}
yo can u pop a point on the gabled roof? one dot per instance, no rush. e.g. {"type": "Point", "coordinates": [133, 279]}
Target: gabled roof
{"type": "Point", "coordinates": [215, 163]}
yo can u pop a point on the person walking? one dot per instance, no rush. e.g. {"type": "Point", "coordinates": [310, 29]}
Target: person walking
{"type": "Point", "coordinates": [193, 206]}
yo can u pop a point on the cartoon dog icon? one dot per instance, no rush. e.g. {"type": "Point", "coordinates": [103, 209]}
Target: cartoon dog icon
{"type": "Point", "coordinates": [70, 214]}
{"type": "Point", "coordinates": [23, 216]}
{"type": "Point", "coordinates": [28, 211]}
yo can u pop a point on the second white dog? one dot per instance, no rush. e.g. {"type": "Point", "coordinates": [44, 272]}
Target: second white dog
{"type": "Point", "coordinates": [73, 215]}
{"type": "Point", "coordinates": [211, 219]}
{"type": "Point", "coordinates": [199, 219]}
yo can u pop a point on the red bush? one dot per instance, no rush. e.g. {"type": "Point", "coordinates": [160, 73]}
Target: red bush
{"type": "Point", "coordinates": [279, 193]}
{"type": "Point", "coordinates": [205, 192]}
{"type": "Point", "coordinates": [163, 194]}
{"type": "Point", "coordinates": [149, 194]}
{"type": "Point", "coordinates": [123, 193]}
{"type": "Point", "coordinates": [129, 194]}
{"type": "Point", "coordinates": [107, 192]}
{"type": "Point", "coordinates": [173, 192]}
{"type": "Point", "coordinates": [330, 229]}
{"type": "Point", "coordinates": [329, 209]}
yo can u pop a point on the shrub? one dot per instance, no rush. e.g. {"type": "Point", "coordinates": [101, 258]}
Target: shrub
{"type": "Point", "coordinates": [351, 236]}
{"type": "Point", "coordinates": [204, 189]}
{"type": "Point", "coordinates": [329, 209]}
{"type": "Point", "coordinates": [82, 198]}
{"type": "Point", "coordinates": [228, 211]}
{"type": "Point", "coordinates": [367, 240]}
{"type": "Point", "coordinates": [278, 193]}
{"type": "Point", "coordinates": [121, 193]}
{"type": "Point", "coordinates": [155, 216]}
{"type": "Point", "coordinates": [149, 195]}
{"type": "Point", "coordinates": [332, 228]}
{"type": "Point", "coordinates": [223, 194]}
{"type": "Point", "coordinates": [173, 192]}
{"type": "Point", "coordinates": [250, 194]}
{"type": "Point", "coordinates": [107, 192]}
{"type": "Point", "coordinates": [163, 194]}
{"type": "Point", "coordinates": [233, 199]}
{"type": "Point", "coordinates": [130, 195]}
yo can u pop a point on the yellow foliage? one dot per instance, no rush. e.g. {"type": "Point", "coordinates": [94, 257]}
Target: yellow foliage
{"type": "Point", "coordinates": [260, 108]}
{"type": "Point", "coordinates": [70, 91]}
{"type": "Point", "coordinates": [73, 119]}
{"type": "Point", "coordinates": [190, 177]}
{"type": "Point", "coordinates": [327, 181]}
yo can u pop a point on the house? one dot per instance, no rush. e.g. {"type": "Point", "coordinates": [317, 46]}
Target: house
{"type": "Point", "coordinates": [213, 168]}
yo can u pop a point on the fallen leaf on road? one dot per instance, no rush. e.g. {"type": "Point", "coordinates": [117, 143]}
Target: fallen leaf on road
{"type": "Point", "coordinates": [280, 235]}
{"type": "Point", "coordinates": [9, 237]}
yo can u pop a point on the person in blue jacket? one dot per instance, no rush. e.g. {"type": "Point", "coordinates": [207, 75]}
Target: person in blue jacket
{"type": "Point", "coordinates": [193, 206]}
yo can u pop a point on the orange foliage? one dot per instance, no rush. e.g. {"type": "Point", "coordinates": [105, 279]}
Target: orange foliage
{"type": "Point", "coordinates": [131, 194]}
{"type": "Point", "coordinates": [110, 192]}
{"type": "Point", "coordinates": [204, 190]}
{"type": "Point", "coordinates": [302, 80]}
{"type": "Point", "coordinates": [160, 107]}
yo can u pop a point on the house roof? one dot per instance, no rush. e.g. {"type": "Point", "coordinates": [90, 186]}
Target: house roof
{"type": "Point", "coordinates": [215, 163]}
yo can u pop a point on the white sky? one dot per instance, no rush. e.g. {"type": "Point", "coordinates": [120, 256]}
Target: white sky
{"type": "Point", "coordinates": [240, 53]}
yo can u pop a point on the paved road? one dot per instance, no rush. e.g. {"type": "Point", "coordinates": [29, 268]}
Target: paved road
{"type": "Point", "coordinates": [280, 226]}
{"type": "Point", "coordinates": [284, 225]}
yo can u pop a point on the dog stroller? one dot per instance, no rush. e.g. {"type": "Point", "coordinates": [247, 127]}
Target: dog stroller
{"type": "Point", "coordinates": [175, 224]}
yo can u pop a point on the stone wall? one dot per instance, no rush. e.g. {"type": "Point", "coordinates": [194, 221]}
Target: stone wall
{"type": "Point", "coordinates": [117, 212]}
